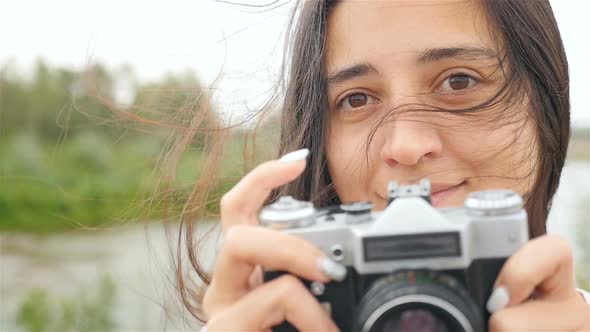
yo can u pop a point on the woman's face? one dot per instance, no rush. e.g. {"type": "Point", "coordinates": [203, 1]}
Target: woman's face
{"type": "Point", "coordinates": [384, 56]}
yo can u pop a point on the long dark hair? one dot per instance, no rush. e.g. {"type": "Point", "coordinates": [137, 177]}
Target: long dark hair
{"type": "Point", "coordinates": [536, 69]}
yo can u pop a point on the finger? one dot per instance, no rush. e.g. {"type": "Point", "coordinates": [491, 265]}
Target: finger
{"type": "Point", "coordinates": [544, 266]}
{"type": "Point", "coordinates": [256, 278]}
{"type": "Point", "coordinates": [242, 202]}
{"type": "Point", "coordinates": [283, 299]}
{"type": "Point", "coordinates": [249, 246]}
{"type": "Point", "coordinates": [572, 314]}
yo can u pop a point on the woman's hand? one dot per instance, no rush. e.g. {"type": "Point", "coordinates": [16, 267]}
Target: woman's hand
{"type": "Point", "coordinates": [236, 299]}
{"type": "Point", "coordinates": [535, 291]}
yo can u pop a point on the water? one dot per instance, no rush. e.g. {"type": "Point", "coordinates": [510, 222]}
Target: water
{"type": "Point", "coordinates": [137, 259]}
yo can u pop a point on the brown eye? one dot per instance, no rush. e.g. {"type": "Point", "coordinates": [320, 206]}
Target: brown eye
{"type": "Point", "coordinates": [357, 100]}
{"type": "Point", "coordinates": [458, 82]}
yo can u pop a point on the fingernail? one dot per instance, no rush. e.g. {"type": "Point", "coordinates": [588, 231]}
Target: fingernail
{"type": "Point", "coordinates": [498, 300]}
{"type": "Point", "coordinates": [333, 270]}
{"type": "Point", "coordinates": [295, 156]}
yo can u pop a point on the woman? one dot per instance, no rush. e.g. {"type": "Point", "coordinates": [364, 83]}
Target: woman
{"type": "Point", "coordinates": [471, 94]}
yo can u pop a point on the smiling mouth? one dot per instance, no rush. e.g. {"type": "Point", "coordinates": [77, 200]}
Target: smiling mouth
{"type": "Point", "coordinates": [440, 193]}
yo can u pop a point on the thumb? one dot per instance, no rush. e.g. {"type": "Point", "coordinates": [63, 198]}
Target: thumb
{"type": "Point", "coordinates": [542, 268]}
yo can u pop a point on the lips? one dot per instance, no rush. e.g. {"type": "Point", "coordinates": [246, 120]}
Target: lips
{"type": "Point", "coordinates": [436, 188]}
{"type": "Point", "coordinates": [440, 192]}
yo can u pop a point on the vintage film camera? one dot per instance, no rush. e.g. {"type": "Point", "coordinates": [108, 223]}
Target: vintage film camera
{"type": "Point", "coordinates": [410, 267]}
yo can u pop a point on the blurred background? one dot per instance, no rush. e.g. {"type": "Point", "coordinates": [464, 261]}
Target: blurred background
{"type": "Point", "coordinates": [82, 246]}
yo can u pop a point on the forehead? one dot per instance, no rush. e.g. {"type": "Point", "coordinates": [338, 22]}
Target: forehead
{"type": "Point", "coordinates": [364, 30]}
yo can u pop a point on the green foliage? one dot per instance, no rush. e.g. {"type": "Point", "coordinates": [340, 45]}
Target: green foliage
{"type": "Point", "coordinates": [39, 312]}
{"type": "Point", "coordinates": [34, 313]}
{"type": "Point", "coordinates": [70, 158]}
{"type": "Point", "coordinates": [88, 182]}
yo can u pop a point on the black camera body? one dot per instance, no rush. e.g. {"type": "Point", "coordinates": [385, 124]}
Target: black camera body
{"type": "Point", "coordinates": [410, 267]}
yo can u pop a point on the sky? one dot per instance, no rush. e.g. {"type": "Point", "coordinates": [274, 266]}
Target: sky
{"type": "Point", "coordinates": [207, 36]}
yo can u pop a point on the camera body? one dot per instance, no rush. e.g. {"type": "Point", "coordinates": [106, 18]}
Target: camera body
{"type": "Point", "coordinates": [410, 267]}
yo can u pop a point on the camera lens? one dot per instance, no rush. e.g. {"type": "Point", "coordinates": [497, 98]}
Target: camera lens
{"type": "Point", "coordinates": [415, 320]}
{"type": "Point", "coordinates": [417, 301]}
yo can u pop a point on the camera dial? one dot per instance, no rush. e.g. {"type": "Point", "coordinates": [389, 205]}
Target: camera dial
{"type": "Point", "coordinates": [357, 212]}
{"type": "Point", "coordinates": [287, 212]}
{"type": "Point", "coordinates": [493, 203]}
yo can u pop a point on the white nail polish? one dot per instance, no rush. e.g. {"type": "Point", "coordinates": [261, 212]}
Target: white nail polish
{"type": "Point", "coordinates": [498, 300]}
{"type": "Point", "coordinates": [295, 156]}
{"type": "Point", "coordinates": [335, 271]}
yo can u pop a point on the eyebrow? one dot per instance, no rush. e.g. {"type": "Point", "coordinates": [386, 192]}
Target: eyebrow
{"type": "Point", "coordinates": [361, 69]}
{"type": "Point", "coordinates": [467, 53]}
{"type": "Point", "coordinates": [426, 56]}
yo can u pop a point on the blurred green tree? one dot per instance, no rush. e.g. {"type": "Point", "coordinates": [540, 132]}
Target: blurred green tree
{"type": "Point", "coordinates": [79, 147]}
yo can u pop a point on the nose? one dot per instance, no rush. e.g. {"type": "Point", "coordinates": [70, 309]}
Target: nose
{"type": "Point", "coordinates": [408, 142]}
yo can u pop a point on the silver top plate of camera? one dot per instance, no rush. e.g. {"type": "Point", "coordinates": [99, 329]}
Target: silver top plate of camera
{"type": "Point", "coordinates": [409, 233]}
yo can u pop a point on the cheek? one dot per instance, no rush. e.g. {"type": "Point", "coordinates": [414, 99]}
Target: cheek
{"type": "Point", "coordinates": [347, 164]}
{"type": "Point", "coordinates": [500, 157]}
